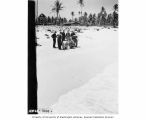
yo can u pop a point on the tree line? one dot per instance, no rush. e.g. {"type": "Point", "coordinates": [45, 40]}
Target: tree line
{"type": "Point", "coordinates": [99, 19]}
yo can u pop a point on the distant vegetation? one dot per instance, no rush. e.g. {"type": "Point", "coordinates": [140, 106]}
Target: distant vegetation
{"type": "Point", "coordinates": [85, 19]}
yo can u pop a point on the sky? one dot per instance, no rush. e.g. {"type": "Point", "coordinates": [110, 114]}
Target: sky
{"type": "Point", "coordinates": [90, 6]}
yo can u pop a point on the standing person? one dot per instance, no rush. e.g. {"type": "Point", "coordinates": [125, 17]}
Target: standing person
{"type": "Point", "coordinates": [59, 39]}
{"type": "Point", "coordinates": [54, 39]}
{"type": "Point", "coordinates": [74, 38]}
{"type": "Point", "coordinates": [68, 35]}
{"type": "Point", "coordinates": [63, 36]}
{"type": "Point", "coordinates": [68, 38]}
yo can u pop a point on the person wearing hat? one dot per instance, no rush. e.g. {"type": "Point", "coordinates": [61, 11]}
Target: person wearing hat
{"type": "Point", "coordinates": [68, 35]}
{"type": "Point", "coordinates": [54, 39]}
{"type": "Point", "coordinates": [63, 36]}
{"type": "Point", "coordinates": [59, 40]}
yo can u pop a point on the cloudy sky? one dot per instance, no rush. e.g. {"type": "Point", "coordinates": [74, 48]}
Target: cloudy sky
{"type": "Point", "coordinates": [91, 6]}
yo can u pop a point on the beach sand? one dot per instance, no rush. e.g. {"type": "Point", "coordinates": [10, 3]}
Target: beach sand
{"type": "Point", "coordinates": [80, 80]}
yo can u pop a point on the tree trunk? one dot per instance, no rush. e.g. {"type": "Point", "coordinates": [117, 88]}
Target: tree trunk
{"type": "Point", "coordinates": [57, 18]}
{"type": "Point", "coordinates": [81, 14]}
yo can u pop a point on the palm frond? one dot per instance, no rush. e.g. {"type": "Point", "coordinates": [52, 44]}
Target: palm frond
{"type": "Point", "coordinates": [57, 6]}
{"type": "Point", "coordinates": [81, 2]}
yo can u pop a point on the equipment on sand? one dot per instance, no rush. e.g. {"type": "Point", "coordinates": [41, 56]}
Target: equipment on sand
{"type": "Point", "coordinates": [72, 43]}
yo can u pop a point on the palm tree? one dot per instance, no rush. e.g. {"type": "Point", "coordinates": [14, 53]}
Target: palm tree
{"type": "Point", "coordinates": [79, 13]}
{"type": "Point", "coordinates": [103, 15]}
{"type": "Point", "coordinates": [90, 18]}
{"type": "Point", "coordinates": [64, 20]}
{"type": "Point", "coordinates": [85, 13]}
{"type": "Point", "coordinates": [72, 14]}
{"type": "Point", "coordinates": [76, 19]}
{"type": "Point", "coordinates": [57, 7]}
{"type": "Point", "coordinates": [81, 3]}
{"type": "Point", "coordinates": [49, 19]}
{"type": "Point", "coordinates": [115, 15]}
{"type": "Point", "coordinates": [85, 18]}
{"type": "Point", "coordinates": [116, 7]}
{"type": "Point", "coordinates": [94, 19]}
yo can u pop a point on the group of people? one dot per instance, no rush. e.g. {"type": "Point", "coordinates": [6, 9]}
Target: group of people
{"type": "Point", "coordinates": [62, 37]}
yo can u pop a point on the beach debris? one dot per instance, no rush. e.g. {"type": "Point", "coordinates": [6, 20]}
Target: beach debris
{"type": "Point", "coordinates": [49, 30]}
{"type": "Point", "coordinates": [46, 35]}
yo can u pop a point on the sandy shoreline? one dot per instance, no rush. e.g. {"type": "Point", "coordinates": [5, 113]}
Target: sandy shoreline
{"type": "Point", "coordinates": [62, 71]}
